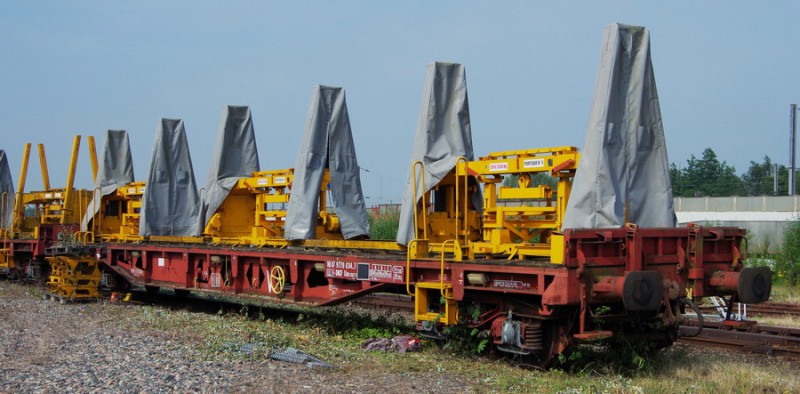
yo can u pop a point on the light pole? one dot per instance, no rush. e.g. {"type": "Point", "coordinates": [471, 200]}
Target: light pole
{"type": "Point", "coordinates": [792, 138]}
{"type": "Point", "coordinates": [380, 185]}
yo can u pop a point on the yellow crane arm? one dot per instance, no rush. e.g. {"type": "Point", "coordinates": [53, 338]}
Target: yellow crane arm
{"type": "Point", "coordinates": [73, 163]}
{"type": "Point", "coordinates": [23, 174]}
{"type": "Point", "coordinates": [43, 165]}
{"type": "Point", "coordinates": [93, 157]}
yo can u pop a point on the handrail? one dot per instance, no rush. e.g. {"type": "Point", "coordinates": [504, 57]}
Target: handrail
{"type": "Point", "coordinates": [408, 265]}
{"type": "Point", "coordinates": [441, 267]}
{"type": "Point", "coordinates": [97, 199]}
{"type": "Point", "coordinates": [19, 213]}
{"type": "Point", "coordinates": [81, 198]}
{"type": "Point", "coordinates": [83, 237]}
{"type": "Point", "coordinates": [424, 216]}
{"type": "Point", "coordinates": [466, 200]}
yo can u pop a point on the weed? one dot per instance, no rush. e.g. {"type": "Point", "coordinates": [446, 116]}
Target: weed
{"type": "Point", "coordinates": [465, 341]}
{"type": "Point", "coordinates": [384, 227]}
{"type": "Point", "coordinates": [788, 264]}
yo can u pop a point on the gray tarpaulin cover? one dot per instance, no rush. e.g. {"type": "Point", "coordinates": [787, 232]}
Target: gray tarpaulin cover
{"type": "Point", "coordinates": [235, 156]}
{"type": "Point", "coordinates": [328, 143]}
{"type": "Point", "coordinates": [624, 164]}
{"type": "Point", "coordinates": [170, 201]}
{"type": "Point", "coordinates": [116, 170]}
{"type": "Point", "coordinates": [443, 135]}
{"type": "Point", "coordinates": [6, 192]}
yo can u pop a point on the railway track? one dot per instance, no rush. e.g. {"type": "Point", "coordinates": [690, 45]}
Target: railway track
{"type": "Point", "coordinates": [773, 341]}
{"type": "Point", "coordinates": [764, 309]}
{"type": "Point", "coordinates": [774, 308]}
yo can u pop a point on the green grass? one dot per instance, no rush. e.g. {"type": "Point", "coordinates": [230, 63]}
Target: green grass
{"type": "Point", "coordinates": [783, 292]}
{"type": "Point", "coordinates": [678, 369]}
{"type": "Point", "coordinates": [384, 227]}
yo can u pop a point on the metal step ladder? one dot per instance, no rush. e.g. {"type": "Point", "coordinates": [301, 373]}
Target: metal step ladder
{"type": "Point", "coordinates": [722, 309]}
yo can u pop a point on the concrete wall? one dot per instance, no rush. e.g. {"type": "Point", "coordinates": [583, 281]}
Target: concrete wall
{"type": "Point", "coordinates": [765, 217]}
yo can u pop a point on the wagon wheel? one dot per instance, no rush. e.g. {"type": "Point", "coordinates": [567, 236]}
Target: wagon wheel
{"type": "Point", "coordinates": [277, 279]}
{"type": "Point", "coordinates": [553, 341]}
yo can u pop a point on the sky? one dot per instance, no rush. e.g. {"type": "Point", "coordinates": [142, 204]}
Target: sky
{"type": "Point", "coordinates": [726, 74]}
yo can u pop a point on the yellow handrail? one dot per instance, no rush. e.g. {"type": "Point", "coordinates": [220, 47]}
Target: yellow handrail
{"type": "Point", "coordinates": [466, 199]}
{"type": "Point", "coordinates": [424, 216]}
{"type": "Point", "coordinates": [19, 213]}
{"type": "Point", "coordinates": [97, 195]}
{"type": "Point", "coordinates": [408, 266]}
{"type": "Point", "coordinates": [441, 267]}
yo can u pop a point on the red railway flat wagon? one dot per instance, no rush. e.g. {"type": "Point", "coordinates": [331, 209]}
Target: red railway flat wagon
{"type": "Point", "coordinates": [530, 307]}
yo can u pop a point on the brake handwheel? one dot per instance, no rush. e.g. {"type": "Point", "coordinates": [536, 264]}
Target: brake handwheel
{"type": "Point", "coordinates": [277, 279]}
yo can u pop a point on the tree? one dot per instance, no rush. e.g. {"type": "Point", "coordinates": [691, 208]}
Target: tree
{"type": "Point", "coordinates": [679, 187]}
{"type": "Point", "coordinates": [706, 176]}
{"type": "Point", "coordinates": [759, 180]}
{"type": "Point", "coordinates": [787, 266]}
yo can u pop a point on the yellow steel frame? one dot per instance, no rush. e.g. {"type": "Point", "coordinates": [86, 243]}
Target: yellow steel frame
{"type": "Point", "coordinates": [74, 278]}
{"type": "Point", "coordinates": [19, 210]}
{"type": "Point", "coordinates": [254, 213]}
{"type": "Point", "coordinates": [123, 224]}
{"type": "Point", "coordinates": [516, 222]}
{"type": "Point", "coordinates": [51, 206]}
{"type": "Point", "coordinates": [443, 215]}
{"type": "Point", "coordinates": [519, 221]}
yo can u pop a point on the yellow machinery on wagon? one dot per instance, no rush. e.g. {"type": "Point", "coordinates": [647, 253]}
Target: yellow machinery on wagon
{"type": "Point", "coordinates": [267, 194]}
{"type": "Point", "coordinates": [64, 206]}
{"type": "Point", "coordinates": [73, 278]}
{"type": "Point", "coordinates": [516, 220]}
{"type": "Point", "coordinates": [54, 216]}
{"type": "Point", "coordinates": [117, 220]}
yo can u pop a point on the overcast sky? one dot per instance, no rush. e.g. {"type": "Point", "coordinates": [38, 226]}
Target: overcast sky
{"type": "Point", "coordinates": [726, 73]}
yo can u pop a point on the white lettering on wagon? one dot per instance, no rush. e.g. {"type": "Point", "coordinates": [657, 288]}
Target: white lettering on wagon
{"type": "Point", "coordinates": [498, 167]}
{"type": "Point", "coordinates": [373, 272]}
{"type": "Point", "coordinates": [512, 284]}
{"type": "Point", "coordinates": [533, 163]}
{"type": "Point", "coordinates": [216, 279]}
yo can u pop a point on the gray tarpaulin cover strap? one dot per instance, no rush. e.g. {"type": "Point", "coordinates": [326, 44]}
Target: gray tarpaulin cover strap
{"type": "Point", "coordinates": [328, 143]}
{"type": "Point", "coordinates": [443, 135]}
{"type": "Point", "coordinates": [6, 192]}
{"type": "Point", "coordinates": [235, 156]}
{"type": "Point", "coordinates": [624, 165]}
{"type": "Point", "coordinates": [170, 201]}
{"type": "Point", "coordinates": [116, 170]}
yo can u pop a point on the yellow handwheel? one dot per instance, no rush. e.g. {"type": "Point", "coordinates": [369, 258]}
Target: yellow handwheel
{"type": "Point", "coordinates": [277, 279]}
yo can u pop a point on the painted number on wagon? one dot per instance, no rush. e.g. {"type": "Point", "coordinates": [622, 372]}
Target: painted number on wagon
{"type": "Point", "coordinates": [533, 163]}
{"type": "Point", "coordinates": [372, 272]}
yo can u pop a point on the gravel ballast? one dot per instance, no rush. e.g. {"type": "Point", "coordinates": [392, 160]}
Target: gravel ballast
{"type": "Point", "coordinates": [53, 348]}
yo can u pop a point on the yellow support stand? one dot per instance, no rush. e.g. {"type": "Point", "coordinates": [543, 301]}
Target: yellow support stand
{"type": "Point", "coordinates": [73, 278]}
{"type": "Point", "coordinates": [6, 263]}
{"type": "Point", "coordinates": [448, 309]}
